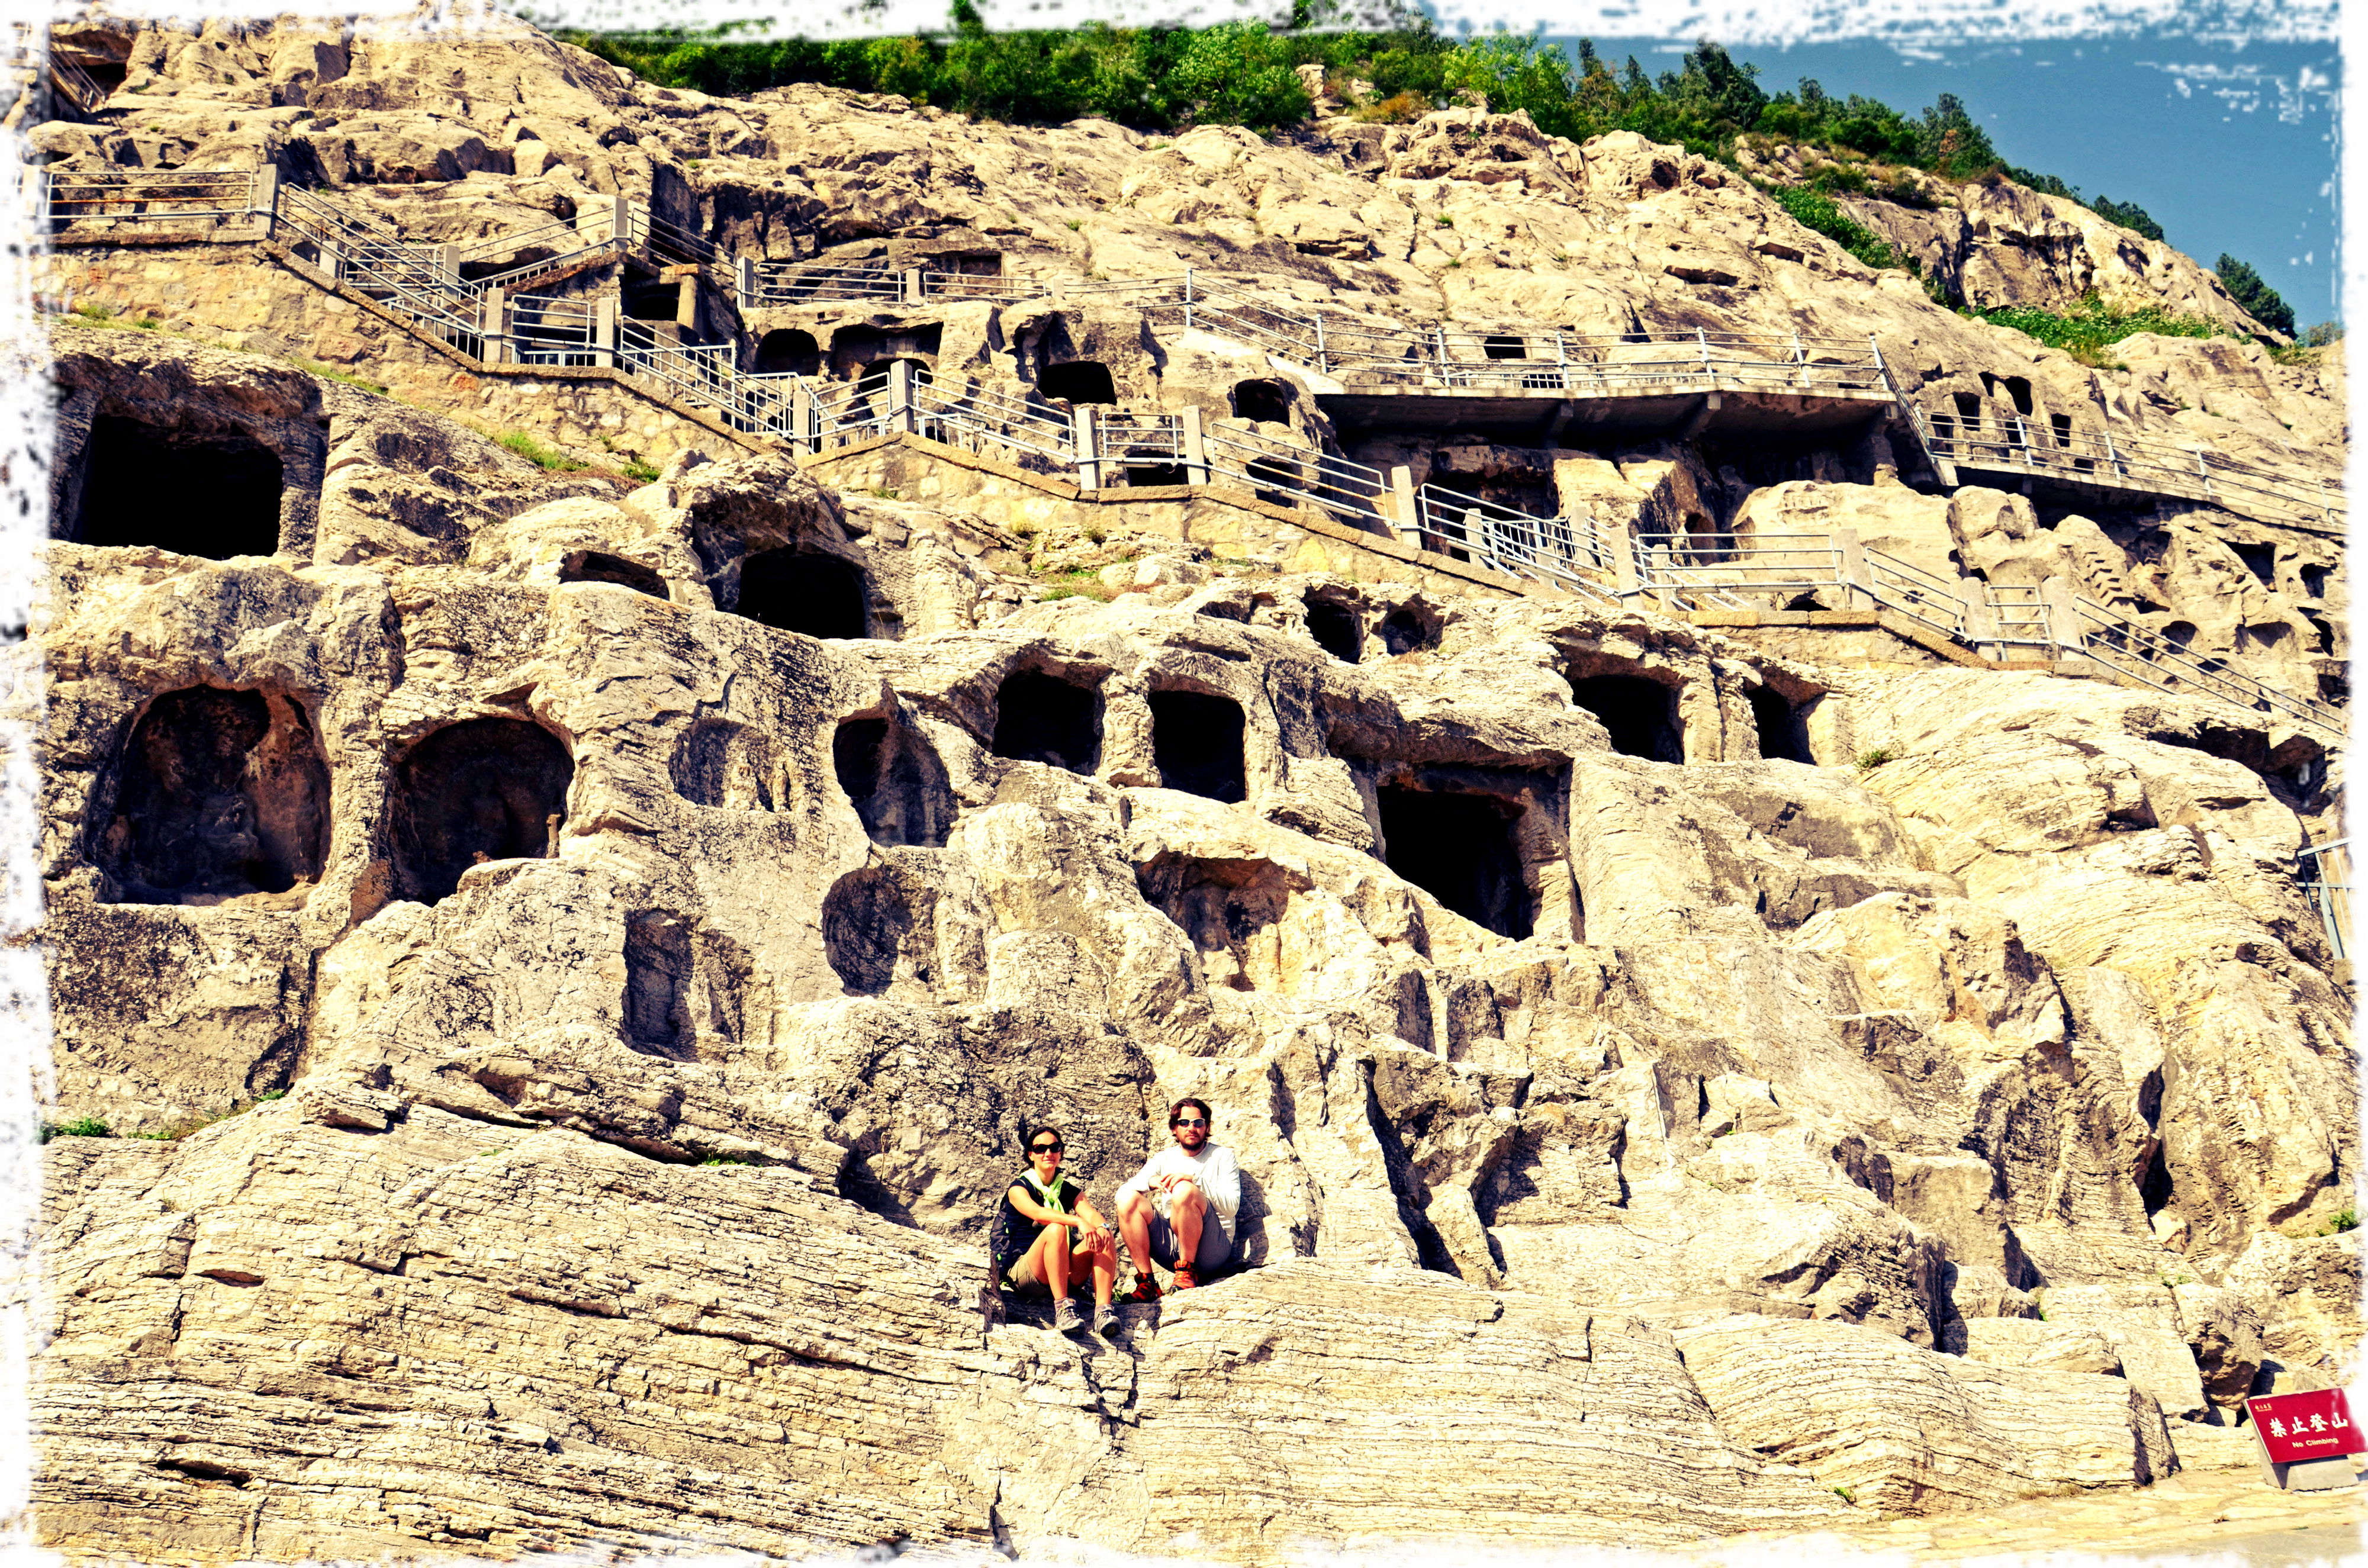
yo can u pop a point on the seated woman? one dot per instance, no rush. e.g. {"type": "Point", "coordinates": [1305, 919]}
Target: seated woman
{"type": "Point", "coordinates": [1050, 1231]}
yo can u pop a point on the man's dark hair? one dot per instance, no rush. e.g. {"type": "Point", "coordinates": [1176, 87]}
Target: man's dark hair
{"type": "Point", "coordinates": [1176, 1111]}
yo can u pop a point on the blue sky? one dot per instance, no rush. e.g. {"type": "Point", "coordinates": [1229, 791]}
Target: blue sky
{"type": "Point", "coordinates": [2229, 147]}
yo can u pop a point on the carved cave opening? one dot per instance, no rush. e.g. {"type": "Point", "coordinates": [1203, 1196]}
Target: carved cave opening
{"type": "Point", "coordinates": [217, 794]}
{"type": "Point", "coordinates": [892, 775]}
{"type": "Point", "coordinates": [1263, 402]}
{"type": "Point", "coordinates": [1041, 718]}
{"type": "Point", "coordinates": [1409, 629]}
{"type": "Point", "coordinates": [804, 591]}
{"type": "Point", "coordinates": [1641, 714]}
{"type": "Point", "coordinates": [1196, 740]}
{"type": "Point", "coordinates": [1334, 627]}
{"type": "Point", "coordinates": [1078, 381]}
{"type": "Point", "coordinates": [1782, 734]}
{"type": "Point", "coordinates": [1461, 849]}
{"type": "Point", "coordinates": [867, 922]}
{"type": "Point", "coordinates": [657, 982]}
{"type": "Point", "coordinates": [197, 492]}
{"type": "Point", "coordinates": [598, 566]}
{"type": "Point", "coordinates": [786, 351]}
{"type": "Point", "coordinates": [482, 789]}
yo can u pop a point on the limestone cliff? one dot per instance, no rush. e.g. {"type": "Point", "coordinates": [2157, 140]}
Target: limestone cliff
{"type": "Point", "coordinates": [566, 957]}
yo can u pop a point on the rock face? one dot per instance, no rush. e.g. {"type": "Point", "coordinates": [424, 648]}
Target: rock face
{"type": "Point", "coordinates": [590, 948]}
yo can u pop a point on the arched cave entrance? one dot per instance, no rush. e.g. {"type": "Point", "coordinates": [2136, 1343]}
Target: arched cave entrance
{"type": "Point", "coordinates": [892, 775]}
{"type": "Point", "coordinates": [482, 789]}
{"type": "Point", "coordinates": [1196, 739]}
{"type": "Point", "coordinates": [597, 566]}
{"type": "Point", "coordinates": [1334, 627]}
{"type": "Point", "coordinates": [1641, 714]}
{"type": "Point", "coordinates": [1779, 723]}
{"type": "Point", "coordinates": [1264, 402]}
{"type": "Point", "coordinates": [214, 494]}
{"type": "Point", "coordinates": [867, 922]}
{"type": "Point", "coordinates": [786, 351]}
{"type": "Point", "coordinates": [794, 590]}
{"type": "Point", "coordinates": [1040, 718]}
{"type": "Point", "coordinates": [217, 794]}
{"type": "Point", "coordinates": [1462, 850]}
{"type": "Point", "coordinates": [1078, 381]}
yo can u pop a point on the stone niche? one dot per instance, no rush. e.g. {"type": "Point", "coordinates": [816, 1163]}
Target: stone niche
{"type": "Point", "coordinates": [483, 790]}
{"type": "Point", "coordinates": [1042, 718]}
{"type": "Point", "coordinates": [1640, 713]}
{"type": "Point", "coordinates": [216, 795]}
{"type": "Point", "coordinates": [1196, 741]}
{"type": "Point", "coordinates": [894, 779]}
{"type": "Point", "coordinates": [210, 493]}
{"type": "Point", "coordinates": [806, 591]}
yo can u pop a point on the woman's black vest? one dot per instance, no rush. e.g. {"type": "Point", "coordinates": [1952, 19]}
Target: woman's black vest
{"type": "Point", "coordinates": [1015, 1231]}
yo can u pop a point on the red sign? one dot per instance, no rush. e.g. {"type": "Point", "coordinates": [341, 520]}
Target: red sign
{"type": "Point", "coordinates": [2296, 1426]}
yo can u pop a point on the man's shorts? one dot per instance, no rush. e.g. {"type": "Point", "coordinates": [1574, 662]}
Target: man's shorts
{"type": "Point", "coordinates": [1216, 1247]}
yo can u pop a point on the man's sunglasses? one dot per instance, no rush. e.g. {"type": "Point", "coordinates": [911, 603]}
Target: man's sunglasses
{"type": "Point", "coordinates": [1044, 1148]}
{"type": "Point", "coordinates": [1189, 1121]}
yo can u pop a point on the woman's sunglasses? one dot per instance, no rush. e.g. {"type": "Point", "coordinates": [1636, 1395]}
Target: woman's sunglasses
{"type": "Point", "coordinates": [1044, 1148]}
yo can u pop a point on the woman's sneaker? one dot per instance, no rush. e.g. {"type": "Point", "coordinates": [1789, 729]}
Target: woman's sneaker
{"type": "Point", "coordinates": [1064, 1317]}
{"type": "Point", "coordinates": [1105, 1318]}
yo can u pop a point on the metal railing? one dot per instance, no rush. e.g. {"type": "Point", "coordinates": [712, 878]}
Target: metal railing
{"type": "Point", "coordinates": [76, 87]}
{"type": "Point", "coordinates": [2022, 614]}
{"type": "Point", "coordinates": [147, 196]}
{"type": "Point", "coordinates": [2324, 872]}
{"type": "Point", "coordinates": [1923, 597]}
{"type": "Point", "coordinates": [2146, 657]}
{"type": "Point", "coordinates": [1736, 573]}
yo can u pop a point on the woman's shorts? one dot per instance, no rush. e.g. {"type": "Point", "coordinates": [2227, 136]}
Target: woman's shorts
{"type": "Point", "coordinates": [1022, 1275]}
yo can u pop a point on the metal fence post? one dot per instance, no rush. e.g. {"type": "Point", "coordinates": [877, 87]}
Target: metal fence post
{"type": "Point", "coordinates": [2204, 470]}
{"type": "Point", "coordinates": [620, 223]}
{"type": "Point", "coordinates": [914, 287]}
{"type": "Point", "coordinates": [1323, 361]}
{"type": "Point", "coordinates": [805, 423]}
{"type": "Point", "coordinates": [743, 282]}
{"type": "Point", "coordinates": [2063, 616]}
{"type": "Point", "coordinates": [1195, 439]}
{"type": "Point", "coordinates": [1085, 437]}
{"type": "Point", "coordinates": [1701, 335]}
{"type": "Point", "coordinates": [1188, 299]}
{"type": "Point", "coordinates": [448, 262]}
{"type": "Point", "coordinates": [1981, 622]}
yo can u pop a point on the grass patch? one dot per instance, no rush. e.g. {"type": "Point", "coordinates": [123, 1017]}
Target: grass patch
{"type": "Point", "coordinates": [2086, 332]}
{"type": "Point", "coordinates": [331, 373]}
{"type": "Point", "coordinates": [1814, 208]}
{"type": "Point", "coordinates": [535, 453]}
{"type": "Point", "coordinates": [181, 1130]}
{"type": "Point", "coordinates": [734, 1158]}
{"type": "Point", "coordinates": [2346, 1220]}
{"type": "Point", "coordinates": [1874, 757]}
{"type": "Point", "coordinates": [80, 1127]}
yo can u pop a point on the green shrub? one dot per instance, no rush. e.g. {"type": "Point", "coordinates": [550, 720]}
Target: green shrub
{"type": "Point", "coordinates": [330, 372]}
{"type": "Point", "coordinates": [1874, 757]}
{"type": "Point", "coordinates": [2346, 1220]}
{"type": "Point", "coordinates": [80, 1127]}
{"type": "Point", "coordinates": [1812, 209]}
{"type": "Point", "coordinates": [2128, 214]}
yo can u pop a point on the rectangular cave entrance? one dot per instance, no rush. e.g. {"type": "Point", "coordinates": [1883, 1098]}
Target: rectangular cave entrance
{"type": "Point", "coordinates": [214, 494]}
{"type": "Point", "coordinates": [1781, 734]}
{"type": "Point", "coordinates": [1463, 850]}
{"type": "Point", "coordinates": [1196, 739]}
{"type": "Point", "coordinates": [805, 591]}
{"type": "Point", "coordinates": [1041, 718]}
{"type": "Point", "coordinates": [1640, 714]}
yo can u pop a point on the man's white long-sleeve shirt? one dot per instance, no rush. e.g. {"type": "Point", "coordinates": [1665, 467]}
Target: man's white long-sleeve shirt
{"type": "Point", "coordinates": [1213, 1170]}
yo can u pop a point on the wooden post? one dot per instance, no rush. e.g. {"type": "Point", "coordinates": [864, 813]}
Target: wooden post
{"type": "Point", "coordinates": [1407, 509]}
{"type": "Point", "coordinates": [604, 332]}
{"type": "Point", "coordinates": [1857, 583]}
{"type": "Point", "coordinates": [1083, 435]}
{"type": "Point", "coordinates": [1980, 619]}
{"type": "Point", "coordinates": [264, 198]}
{"type": "Point", "coordinates": [1195, 440]}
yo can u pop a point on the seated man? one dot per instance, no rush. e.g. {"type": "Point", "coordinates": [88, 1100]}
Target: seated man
{"type": "Point", "coordinates": [1179, 1209]}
